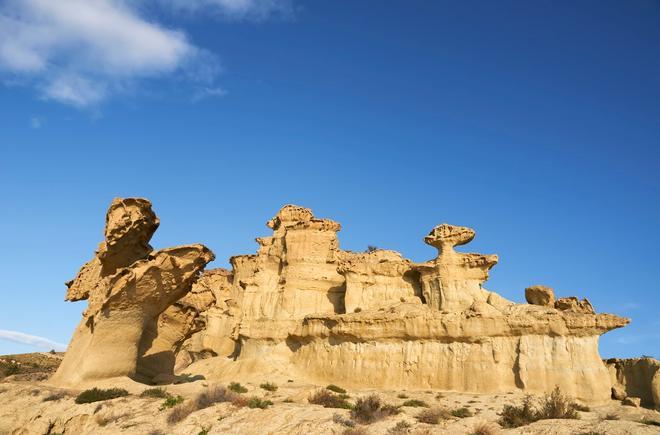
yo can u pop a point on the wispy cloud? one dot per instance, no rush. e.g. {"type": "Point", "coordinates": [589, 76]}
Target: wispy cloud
{"type": "Point", "coordinates": [234, 9]}
{"type": "Point", "coordinates": [208, 92]}
{"type": "Point", "coordinates": [35, 122]}
{"type": "Point", "coordinates": [80, 52]}
{"type": "Point", "coordinates": [32, 340]}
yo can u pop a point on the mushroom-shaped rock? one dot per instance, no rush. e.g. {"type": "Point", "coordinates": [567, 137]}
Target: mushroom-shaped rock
{"type": "Point", "coordinates": [445, 235]}
{"type": "Point", "coordinates": [123, 302]}
{"type": "Point", "coordinates": [452, 282]}
{"type": "Point", "coordinates": [540, 295]}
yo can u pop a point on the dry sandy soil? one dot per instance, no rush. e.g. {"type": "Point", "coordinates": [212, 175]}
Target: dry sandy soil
{"type": "Point", "coordinates": [29, 406]}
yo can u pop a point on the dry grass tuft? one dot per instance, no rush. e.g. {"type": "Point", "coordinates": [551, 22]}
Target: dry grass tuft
{"type": "Point", "coordinates": [180, 412]}
{"type": "Point", "coordinates": [335, 388]}
{"type": "Point", "coordinates": [415, 403]}
{"type": "Point", "coordinates": [268, 386]}
{"type": "Point", "coordinates": [485, 428]}
{"type": "Point", "coordinates": [157, 393]}
{"type": "Point", "coordinates": [339, 419]}
{"type": "Point", "coordinates": [328, 400]}
{"type": "Point", "coordinates": [214, 395]}
{"type": "Point", "coordinates": [552, 406]}
{"type": "Point", "coordinates": [55, 396]}
{"type": "Point", "coordinates": [433, 415]}
{"type": "Point", "coordinates": [402, 427]}
{"type": "Point", "coordinates": [96, 395]}
{"type": "Point", "coordinates": [369, 409]}
{"type": "Point", "coordinates": [462, 412]}
{"type": "Point", "coordinates": [237, 388]}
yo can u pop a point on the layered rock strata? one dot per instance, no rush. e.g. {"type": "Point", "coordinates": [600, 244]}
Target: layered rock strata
{"type": "Point", "coordinates": [375, 319]}
{"type": "Point", "coordinates": [128, 286]}
{"type": "Point", "coordinates": [302, 307]}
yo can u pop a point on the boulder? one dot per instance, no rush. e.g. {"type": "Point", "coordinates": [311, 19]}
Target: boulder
{"type": "Point", "coordinates": [618, 392]}
{"type": "Point", "coordinates": [540, 295]}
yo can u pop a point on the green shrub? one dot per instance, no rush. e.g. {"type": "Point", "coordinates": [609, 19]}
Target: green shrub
{"type": "Point", "coordinates": [237, 388]}
{"type": "Point", "coordinates": [335, 388]}
{"type": "Point", "coordinates": [328, 400]}
{"type": "Point", "coordinates": [204, 431]}
{"type": "Point", "coordinates": [55, 396]}
{"type": "Point", "coordinates": [171, 402]}
{"type": "Point", "coordinates": [157, 393]}
{"type": "Point", "coordinates": [257, 402]}
{"type": "Point", "coordinates": [414, 403]}
{"type": "Point", "coordinates": [461, 412]}
{"type": "Point", "coordinates": [268, 386]}
{"type": "Point", "coordinates": [96, 395]}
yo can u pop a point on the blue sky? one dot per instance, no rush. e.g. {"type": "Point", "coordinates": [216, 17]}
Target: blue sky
{"type": "Point", "coordinates": [536, 123]}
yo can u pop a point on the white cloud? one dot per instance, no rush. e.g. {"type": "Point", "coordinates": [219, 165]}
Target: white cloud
{"type": "Point", "coordinates": [208, 92]}
{"type": "Point", "coordinates": [79, 52]}
{"type": "Point", "coordinates": [32, 340]}
{"type": "Point", "coordinates": [235, 9]}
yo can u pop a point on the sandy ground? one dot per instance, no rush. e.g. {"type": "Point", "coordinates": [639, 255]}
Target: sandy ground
{"type": "Point", "coordinates": [23, 410]}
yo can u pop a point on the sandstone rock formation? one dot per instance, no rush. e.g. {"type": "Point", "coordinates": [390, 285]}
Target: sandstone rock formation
{"type": "Point", "coordinates": [637, 378]}
{"type": "Point", "coordinates": [303, 307]}
{"type": "Point", "coordinates": [128, 286]}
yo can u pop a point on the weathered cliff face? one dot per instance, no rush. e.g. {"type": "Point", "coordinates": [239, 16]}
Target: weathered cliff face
{"type": "Point", "coordinates": [128, 286]}
{"type": "Point", "coordinates": [302, 306]}
{"type": "Point", "coordinates": [376, 319]}
{"type": "Point", "coordinates": [294, 273]}
{"type": "Point", "coordinates": [378, 279]}
{"type": "Point", "coordinates": [636, 377]}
